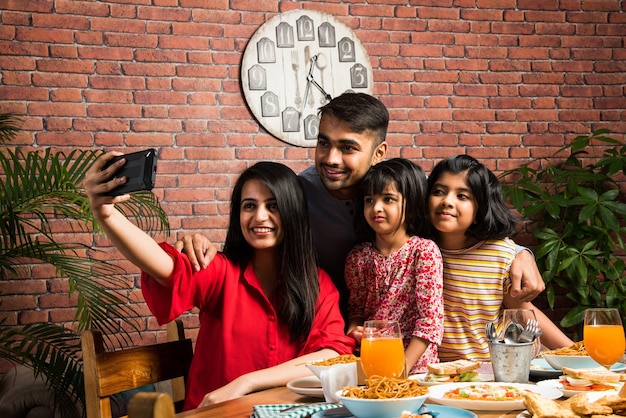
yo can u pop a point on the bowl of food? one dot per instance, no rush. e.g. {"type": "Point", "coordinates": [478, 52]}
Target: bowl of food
{"type": "Point", "coordinates": [557, 361]}
{"type": "Point", "coordinates": [388, 399]}
{"type": "Point", "coordinates": [317, 366]}
{"type": "Point", "coordinates": [573, 357]}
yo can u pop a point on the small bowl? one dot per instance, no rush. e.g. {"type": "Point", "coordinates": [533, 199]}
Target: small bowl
{"type": "Point", "coordinates": [381, 408]}
{"type": "Point", "coordinates": [573, 362]}
{"type": "Point", "coordinates": [317, 370]}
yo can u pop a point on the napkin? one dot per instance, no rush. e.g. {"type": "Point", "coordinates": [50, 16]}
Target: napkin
{"type": "Point", "coordinates": [290, 410]}
{"type": "Point", "coordinates": [336, 377]}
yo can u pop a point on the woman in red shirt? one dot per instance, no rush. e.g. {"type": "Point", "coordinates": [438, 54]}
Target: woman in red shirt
{"type": "Point", "coordinates": [265, 308]}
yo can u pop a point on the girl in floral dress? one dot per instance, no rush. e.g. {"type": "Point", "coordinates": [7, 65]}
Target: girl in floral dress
{"type": "Point", "coordinates": [395, 274]}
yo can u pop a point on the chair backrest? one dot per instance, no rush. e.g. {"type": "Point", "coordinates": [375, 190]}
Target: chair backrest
{"type": "Point", "coordinates": [111, 372]}
{"type": "Point", "coordinates": [151, 405]}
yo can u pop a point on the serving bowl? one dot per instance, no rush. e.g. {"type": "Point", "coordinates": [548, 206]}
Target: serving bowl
{"type": "Point", "coordinates": [381, 408]}
{"type": "Point", "coordinates": [557, 362]}
{"type": "Point", "coordinates": [317, 370]}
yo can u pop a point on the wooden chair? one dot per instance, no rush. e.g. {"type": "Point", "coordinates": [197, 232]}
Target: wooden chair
{"type": "Point", "coordinates": [111, 372]}
{"type": "Point", "coordinates": [151, 405]}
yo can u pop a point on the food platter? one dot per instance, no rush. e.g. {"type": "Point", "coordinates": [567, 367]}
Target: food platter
{"type": "Point", "coordinates": [554, 383]}
{"type": "Point", "coordinates": [306, 386]}
{"type": "Point", "coordinates": [591, 396]}
{"type": "Point", "coordinates": [540, 369]}
{"type": "Point", "coordinates": [437, 395]}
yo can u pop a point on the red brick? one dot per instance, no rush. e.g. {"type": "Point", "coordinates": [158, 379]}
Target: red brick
{"type": "Point", "coordinates": [33, 317]}
{"type": "Point", "coordinates": [17, 303]}
{"type": "Point", "coordinates": [57, 36]}
{"type": "Point", "coordinates": [521, 72]}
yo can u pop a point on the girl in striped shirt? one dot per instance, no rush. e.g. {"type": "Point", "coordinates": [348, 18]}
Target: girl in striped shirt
{"type": "Point", "coordinates": [471, 224]}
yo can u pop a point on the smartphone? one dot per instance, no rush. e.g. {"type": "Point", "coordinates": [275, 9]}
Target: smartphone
{"type": "Point", "coordinates": [140, 170]}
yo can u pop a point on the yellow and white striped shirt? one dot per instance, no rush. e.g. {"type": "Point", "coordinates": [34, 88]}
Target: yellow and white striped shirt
{"type": "Point", "coordinates": [475, 280]}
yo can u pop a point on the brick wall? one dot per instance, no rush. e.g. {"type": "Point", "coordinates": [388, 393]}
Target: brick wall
{"type": "Point", "coordinates": [502, 80]}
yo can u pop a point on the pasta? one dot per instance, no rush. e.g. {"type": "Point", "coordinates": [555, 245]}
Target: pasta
{"type": "Point", "coordinates": [577, 349]}
{"type": "Point", "coordinates": [379, 387]}
{"type": "Point", "coordinates": [342, 359]}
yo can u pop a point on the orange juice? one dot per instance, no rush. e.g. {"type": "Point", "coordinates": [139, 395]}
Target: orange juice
{"type": "Point", "coordinates": [604, 343]}
{"type": "Point", "coordinates": [382, 356]}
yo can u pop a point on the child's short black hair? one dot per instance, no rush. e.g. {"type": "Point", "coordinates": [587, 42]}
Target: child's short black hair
{"type": "Point", "coordinates": [494, 219]}
{"type": "Point", "coordinates": [410, 181]}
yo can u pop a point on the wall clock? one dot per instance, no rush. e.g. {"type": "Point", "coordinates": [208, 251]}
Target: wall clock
{"type": "Point", "coordinates": [294, 64]}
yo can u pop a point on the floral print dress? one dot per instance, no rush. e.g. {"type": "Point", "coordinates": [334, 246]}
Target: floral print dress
{"type": "Point", "coordinates": [406, 286]}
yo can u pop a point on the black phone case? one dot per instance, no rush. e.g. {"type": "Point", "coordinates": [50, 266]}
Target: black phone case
{"type": "Point", "coordinates": [140, 169]}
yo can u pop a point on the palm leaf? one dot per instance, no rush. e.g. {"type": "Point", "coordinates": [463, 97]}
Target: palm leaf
{"type": "Point", "coordinates": [50, 351]}
{"type": "Point", "coordinates": [37, 190]}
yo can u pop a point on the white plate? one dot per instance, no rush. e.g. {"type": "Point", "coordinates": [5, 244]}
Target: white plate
{"type": "Point", "coordinates": [437, 395]}
{"type": "Point", "coordinates": [420, 378]}
{"type": "Point", "coordinates": [554, 383]}
{"type": "Point", "coordinates": [539, 368]}
{"type": "Point", "coordinates": [307, 386]}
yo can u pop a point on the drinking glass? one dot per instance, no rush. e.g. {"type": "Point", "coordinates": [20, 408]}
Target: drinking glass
{"type": "Point", "coordinates": [603, 335]}
{"type": "Point", "coordinates": [513, 322]}
{"type": "Point", "coordinates": [382, 351]}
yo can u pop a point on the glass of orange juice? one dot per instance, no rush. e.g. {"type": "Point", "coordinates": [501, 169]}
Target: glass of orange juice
{"type": "Point", "coordinates": [603, 335]}
{"type": "Point", "coordinates": [382, 351]}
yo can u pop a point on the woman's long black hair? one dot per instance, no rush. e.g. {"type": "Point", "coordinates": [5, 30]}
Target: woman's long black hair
{"type": "Point", "coordinates": [494, 219]}
{"type": "Point", "coordinates": [410, 181]}
{"type": "Point", "coordinates": [298, 285]}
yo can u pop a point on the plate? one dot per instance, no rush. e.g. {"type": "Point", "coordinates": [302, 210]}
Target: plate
{"type": "Point", "coordinates": [444, 412]}
{"type": "Point", "coordinates": [554, 383]}
{"type": "Point", "coordinates": [420, 378]}
{"type": "Point", "coordinates": [450, 411]}
{"type": "Point", "coordinates": [307, 386]}
{"type": "Point", "coordinates": [437, 392]}
{"type": "Point", "coordinates": [539, 368]}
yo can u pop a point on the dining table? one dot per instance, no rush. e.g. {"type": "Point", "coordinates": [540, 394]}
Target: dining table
{"type": "Point", "coordinates": [242, 407]}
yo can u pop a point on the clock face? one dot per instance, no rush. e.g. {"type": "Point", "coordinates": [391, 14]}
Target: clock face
{"type": "Point", "coordinates": [294, 64]}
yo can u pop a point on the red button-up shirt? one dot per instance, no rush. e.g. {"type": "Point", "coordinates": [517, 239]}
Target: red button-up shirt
{"type": "Point", "coordinates": [239, 329]}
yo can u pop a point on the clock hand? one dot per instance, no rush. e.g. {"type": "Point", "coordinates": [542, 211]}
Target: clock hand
{"type": "Point", "coordinates": [310, 79]}
{"type": "Point", "coordinates": [306, 93]}
{"type": "Point", "coordinates": [316, 84]}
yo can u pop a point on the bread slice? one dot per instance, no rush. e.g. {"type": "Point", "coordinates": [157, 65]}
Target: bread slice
{"type": "Point", "coordinates": [596, 374]}
{"type": "Point", "coordinates": [453, 367]}
{"type": "Point", "coordinates": [541, 407]}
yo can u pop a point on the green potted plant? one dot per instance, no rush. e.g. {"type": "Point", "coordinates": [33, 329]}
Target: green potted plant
{"type": "Point", "coordinates": [37, 187]}
{"type": "Point", "coordinates": [573, 206]}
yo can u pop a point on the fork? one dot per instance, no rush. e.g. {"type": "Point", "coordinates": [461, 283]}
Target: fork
{"type": "Point", "coordinates": [530, 331]}
{"type": "Point", "coordinates": [295, 65]}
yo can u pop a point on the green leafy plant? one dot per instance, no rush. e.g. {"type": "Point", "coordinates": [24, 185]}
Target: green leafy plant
{"type": "Point", "coordinates": [574, 207]}
{"type": "Point", "coordinates": [38, 188]}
